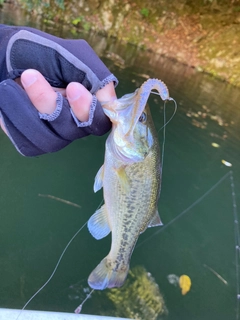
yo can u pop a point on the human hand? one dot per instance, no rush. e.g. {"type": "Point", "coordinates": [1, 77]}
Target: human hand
{"type": "Point", "coordinates": [43, 96]}
{"type": "Point", "coordinates": [30, 134]}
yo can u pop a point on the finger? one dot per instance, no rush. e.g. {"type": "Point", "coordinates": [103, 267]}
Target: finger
{"type": "Point", "coordinates": [39, 91]}
{"type": "Point", "coordinates": [80, 100]}
{"type": "Point", "coordinates": [60, 90]}
{"type": "Point", "coordinates": [107, 93]}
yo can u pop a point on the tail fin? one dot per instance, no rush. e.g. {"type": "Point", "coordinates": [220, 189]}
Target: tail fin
{"type": "Point", "coordinates": [103, 276]}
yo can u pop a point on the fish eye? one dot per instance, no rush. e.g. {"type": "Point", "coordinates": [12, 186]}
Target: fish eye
{"type": "Point", "coordinates": [143, 117]}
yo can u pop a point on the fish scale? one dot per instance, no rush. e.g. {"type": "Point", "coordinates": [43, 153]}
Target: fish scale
{"type": "Point", "coordinates": [131, 179]}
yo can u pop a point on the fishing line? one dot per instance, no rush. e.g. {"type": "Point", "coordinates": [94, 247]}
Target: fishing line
{"type": "Point", "coordinates": [164, 134]}
{"type": "Point", "coordinates": [236, 229]}
{"type": "Point", "coordinates": [237, 240]}
{"type": "Point", "coordinates": [186, 210]}
{"type": "Point", "coordinates": [54, 271]}
{"type": "Point", "coordinates": [165, 123]}
{"type": "Point", "coordinates": [79, 308]}
{"type": "Point", "coordinates": [174, 112]}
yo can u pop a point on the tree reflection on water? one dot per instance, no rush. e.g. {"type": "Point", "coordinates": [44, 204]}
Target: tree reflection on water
{"type": "Point", "coordinates": [139, 298]}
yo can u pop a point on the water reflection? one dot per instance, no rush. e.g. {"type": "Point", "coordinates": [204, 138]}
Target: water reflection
{"type": "Point", "coordinates": [199, 118]}
{"type": "Point", "coordinates": [139, 298]}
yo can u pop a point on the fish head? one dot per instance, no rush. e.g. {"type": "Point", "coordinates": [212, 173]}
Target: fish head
{"type": "Point", "coordinates": [132, 135]}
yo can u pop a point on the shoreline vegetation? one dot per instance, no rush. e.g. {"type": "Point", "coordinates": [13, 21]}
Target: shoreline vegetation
{"type": "Point", "coordinates": [203, 34]}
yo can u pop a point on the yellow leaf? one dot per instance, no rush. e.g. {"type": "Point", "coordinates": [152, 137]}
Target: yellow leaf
{"type": "Point", "coordinates": [185, 284]}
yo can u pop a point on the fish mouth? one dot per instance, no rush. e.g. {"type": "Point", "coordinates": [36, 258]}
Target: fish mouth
{"type": "Point", "coordinates": [129, 105]}
{"type": "Point", "coordinates": [139, 105]}
{"type": "Point", "coordinates": [133, 105]}
{"type": "Point", "coordinates": [120, 104]}
{"type": "Point", "coordinates": [108, 104]}
{"type": "Point", "coordinates": [114, 108]}
{"type": "Point", "coordinates": [142, 95]}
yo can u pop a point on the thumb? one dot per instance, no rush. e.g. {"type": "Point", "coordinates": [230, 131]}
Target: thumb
{"type": "Point", "coordinates": [39, 91]}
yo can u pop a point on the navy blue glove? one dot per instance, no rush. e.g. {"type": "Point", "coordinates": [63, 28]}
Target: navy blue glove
{"type": "Point", "coordinates": [60, 61]}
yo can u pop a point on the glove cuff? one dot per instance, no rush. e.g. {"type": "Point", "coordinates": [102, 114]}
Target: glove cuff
{"type": "Point", "coordinates": [107, 80]}
{"type": "Point", "coordinates": [90, 118]}
{"type": "Point", "coordinates": [56, 112]}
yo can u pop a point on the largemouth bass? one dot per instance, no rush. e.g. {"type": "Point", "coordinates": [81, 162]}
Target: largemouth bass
{"type": "Point", "coordinates": [131, 180]}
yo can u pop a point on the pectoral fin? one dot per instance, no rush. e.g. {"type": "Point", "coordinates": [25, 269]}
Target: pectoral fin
{"type": "Point", "coordinates": [123, 179]}
{"type": "Point", "coordinates": [156, 221]}
{"type": "Point", "coordinates": [98, 224]}
{"type": "Point", "coordinates": [98, 182]}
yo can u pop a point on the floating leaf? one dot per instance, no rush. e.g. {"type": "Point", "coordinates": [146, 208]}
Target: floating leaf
{"type": "Point", "coordinates": [226, 163]}
{"type": "Point", "coordinates": [215, 145]}
{"type": "Point", "coordinates": [185, 284]}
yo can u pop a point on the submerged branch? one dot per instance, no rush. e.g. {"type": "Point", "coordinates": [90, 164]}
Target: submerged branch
{"type": "Point", "coordinates": [59, 199]}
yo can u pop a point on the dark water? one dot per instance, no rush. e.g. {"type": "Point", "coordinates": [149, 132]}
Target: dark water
{"type": "Point", "coordinates": [34, 230]}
